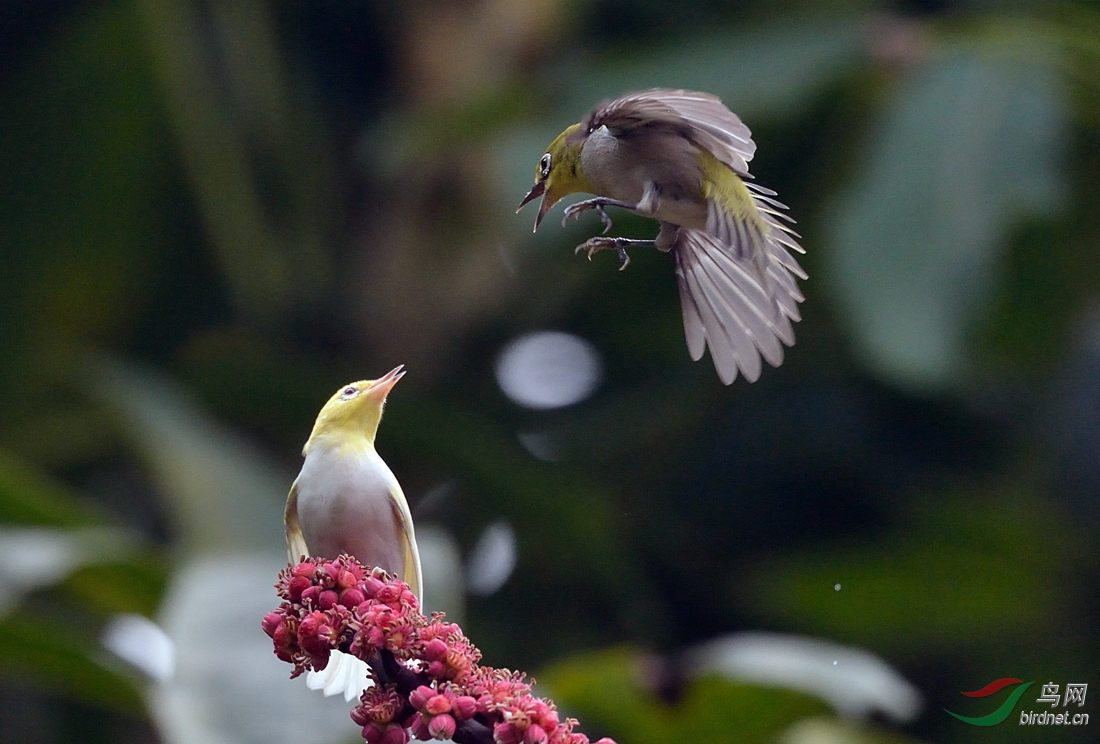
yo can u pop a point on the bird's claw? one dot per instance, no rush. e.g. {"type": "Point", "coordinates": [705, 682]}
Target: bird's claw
{"type": "Point", "coordinates": [605, 219]}
{"type": "Point", "coordinates": [595, 245]}
{"type": "Point", "coordinates": [573, 210]}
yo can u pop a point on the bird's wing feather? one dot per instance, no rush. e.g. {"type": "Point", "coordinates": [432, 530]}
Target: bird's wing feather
{"type": "Point", "coordinates": [413, 575]}
{"type": "Point", "coordinates": [700, 117]}
{"type": "Point", "coordinates": [725, 303]}
{"type": "Point", "coordinates": [755, 234]}
{"type": "Point", "coordinates": [693, 319]}
{"type": "Point", "coordinates": [295, 541]}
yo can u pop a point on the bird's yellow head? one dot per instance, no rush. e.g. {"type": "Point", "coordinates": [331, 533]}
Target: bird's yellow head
{"type": "Point", "coordinates": [559, 172]}
{"type": "Point", "coordinates": [351, 416]}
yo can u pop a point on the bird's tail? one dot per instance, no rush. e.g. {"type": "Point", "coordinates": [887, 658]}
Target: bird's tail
{"type": "Point", "coordinates": [740, 309]}
{"type": "Point", "coordinates": [345, 674]}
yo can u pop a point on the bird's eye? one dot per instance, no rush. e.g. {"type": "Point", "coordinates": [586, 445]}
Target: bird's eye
{"type": "Point", "coordinates": [544, 165]}
{"type": "Point", "coordinates": [349, 392]}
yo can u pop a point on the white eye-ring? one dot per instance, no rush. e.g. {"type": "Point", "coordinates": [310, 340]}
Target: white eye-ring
{"type": "Point", "coordinates": [544, 165]}
{"type": "Point", "coordinates": [349, 392]}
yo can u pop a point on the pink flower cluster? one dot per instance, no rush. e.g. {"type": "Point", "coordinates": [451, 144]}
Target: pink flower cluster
{"type": "Point", "coordinates": [427, 680]}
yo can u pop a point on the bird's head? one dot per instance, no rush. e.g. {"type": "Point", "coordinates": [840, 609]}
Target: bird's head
{"type": "Point", "coordinates": [352, 414]}
{"type": "Point", "coordinates": [559, 172]}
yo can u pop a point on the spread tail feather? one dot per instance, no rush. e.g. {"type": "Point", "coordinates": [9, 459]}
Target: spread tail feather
{"type": "Point", "coordinates": [345, 674]}
{"type": "Point", "coordinates": [726, 304]}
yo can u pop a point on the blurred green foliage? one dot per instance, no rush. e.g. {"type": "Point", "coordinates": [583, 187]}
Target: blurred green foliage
{"type": "Point", "coordinates": [603, 689]}
{"type": "Point", "coordinates": [225, 212]}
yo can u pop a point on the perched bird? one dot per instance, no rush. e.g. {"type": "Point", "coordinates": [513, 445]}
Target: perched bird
{"type": "Point", "coordinates": [346, 500]}
{"type": "Point", "coordinates": [682, 158]}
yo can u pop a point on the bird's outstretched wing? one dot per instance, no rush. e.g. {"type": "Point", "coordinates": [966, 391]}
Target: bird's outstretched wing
{"type": "Point", "coordinates": [295, 540]}
{"type": "Point", "coordinates": [699, 117]}
{"type": "Point", "coordinates": [728, 308]}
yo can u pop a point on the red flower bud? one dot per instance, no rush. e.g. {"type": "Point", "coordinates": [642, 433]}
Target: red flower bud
{"type": "Point", "coordinates": [295, 587]}
{"type": "Point", "coordinates": [370, 586]}
{"type": "Point", "coordinates": [352, 598]}
{"type": "Point", "coordinates": [372, 734]}
{"type": "Point", "coordinates": [418, 728]}
{"type": "Point", "coordinates": [304, 570]}
{"type": "Point", "coordinates": [315, 635]}
{"type": "Point", "coordinates": [271, 622]}
{"type": "Point", "coordinates": [395, 735]}
{"type": "Point", "coordinates": [464, 707]}
{"type": "Point", "coordinates": [534, 735]}
{"type": "Point", "coordinates": [442, 726]}
{"type": "Point", "coordinates": [548, 719]}
{"type": "Point", "coordinates": [387, 593]}
{"type": "Point", "coordinates": [434, 649]}
{"type": "Point", "coordinates": [420, 696]}
{"type": "Point", "coordinates": [326, 599]}
{"type": "Point", "coordinates": [346, 579]}
{"type": "Point", "coordinates": [505, 733]}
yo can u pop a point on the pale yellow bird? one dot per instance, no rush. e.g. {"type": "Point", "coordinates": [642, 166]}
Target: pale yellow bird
{"type": "Point", "coordinates": [347, 500]}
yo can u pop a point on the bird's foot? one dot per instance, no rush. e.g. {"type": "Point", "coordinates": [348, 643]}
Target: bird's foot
{"type": "Point", "coordinates": [619, 245]}
{"type": "Point", "coordinates": [574, 210]}
{"type": "Point", "coordinates": [600, 203]}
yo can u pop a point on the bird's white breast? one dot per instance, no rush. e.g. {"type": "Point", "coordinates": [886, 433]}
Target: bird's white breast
{"type": "Point", "coordinates": [346, 505]}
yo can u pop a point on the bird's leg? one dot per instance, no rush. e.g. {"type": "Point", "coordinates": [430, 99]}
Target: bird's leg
{"type": "Point", "coordinates": [599, 204]}
{"type": "Point", "coordinates": [619, 245]}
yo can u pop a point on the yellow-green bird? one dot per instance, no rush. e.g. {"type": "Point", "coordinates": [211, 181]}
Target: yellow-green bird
{"type": "Point", "coordinates": [681, 157]}
{"type": "Point", "coordinates": [347, 500]}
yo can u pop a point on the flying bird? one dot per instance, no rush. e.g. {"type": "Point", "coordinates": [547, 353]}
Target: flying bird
{"type": "Point", "coordinates": [681, 157]}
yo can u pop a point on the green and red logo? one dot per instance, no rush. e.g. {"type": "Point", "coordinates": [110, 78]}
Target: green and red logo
{"type": "Point", "coordinates": [1003, 712]}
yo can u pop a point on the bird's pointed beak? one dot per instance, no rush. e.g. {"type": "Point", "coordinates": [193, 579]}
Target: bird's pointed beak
{"type": "Point", "coordinates": [381, 387]}
{"type": "Point", "coordinates": [538, 190]}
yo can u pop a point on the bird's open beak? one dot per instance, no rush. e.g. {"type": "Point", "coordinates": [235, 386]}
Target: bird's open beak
{"type": "Point", "coordinates": [381, 387]}
{"type": "Point", "coordinates": [536, 192]}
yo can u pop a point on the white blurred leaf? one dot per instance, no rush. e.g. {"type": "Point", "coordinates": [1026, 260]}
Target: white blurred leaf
{"type": "Point", "coordinates": [855, 682]}
{"type": "Point", "coordinates": [224, 494]}
{"type": "Point", "coordinates": [443, 580]}
{"type": "Point", "coordinates": [493, 559]}
{"type": "Point", "coordinates": [32, 557]}
{"type": "Point", "coordinates": [832, 731]}
{"type": "Point", "coordinates": [229, 688]}
{"type": "Point", "coordinates": [139, 641]}
{"type": "Point", "coordinates": [968, 146]}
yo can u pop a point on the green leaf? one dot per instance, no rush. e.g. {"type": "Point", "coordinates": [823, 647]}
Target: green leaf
{"type": "Point", "coordinates": [773, 68]}
{"type": "Point", "coordinates": [602, 689]}
{"type": "Point", "coordinates": [134, 586]}
{"type": "Point", "coordinates": [30, 497]}
{"type": "Point", "coordinates": [968, 146]}
{"type": "Point", "coordinates": [52, 655]}
{"type": "Point", "coordinates": [980, 569]}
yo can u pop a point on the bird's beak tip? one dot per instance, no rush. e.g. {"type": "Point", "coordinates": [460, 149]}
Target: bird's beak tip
{"type": "Point", "coordinates": [536, 191]}
{"type": "Point", "coordinates": [385, 383]}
